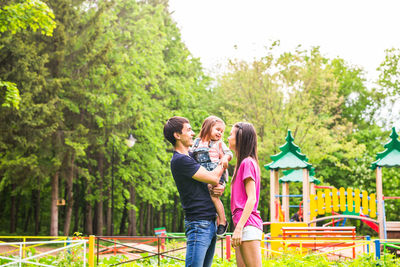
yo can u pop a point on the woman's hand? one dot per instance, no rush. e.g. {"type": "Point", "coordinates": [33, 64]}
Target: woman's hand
{"type": "Point", "coordinates": [237, 236]}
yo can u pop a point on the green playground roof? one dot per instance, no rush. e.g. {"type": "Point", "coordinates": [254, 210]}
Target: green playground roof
{"type": "Point", "coordinates": [390, 157]}
{"type": "Point", "coordinates": [296, 176]}
{"type": "Point", "coordinates": [289, 157]}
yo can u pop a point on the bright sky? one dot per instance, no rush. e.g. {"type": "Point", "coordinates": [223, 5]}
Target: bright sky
{"type": "Point", "coordinates": [356, 30]}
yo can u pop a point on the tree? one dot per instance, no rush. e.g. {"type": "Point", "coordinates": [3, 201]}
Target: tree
{"type": "Point", "coordinates": [389, 87]}
{"type": "Point", "coordinates": [301, 91]}
{"type": "Point", "coordinates": [110, 69]}
{"type": "Point", "coordinates": [15, 18]}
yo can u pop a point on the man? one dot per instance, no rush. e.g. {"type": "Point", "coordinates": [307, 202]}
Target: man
{"type": "Point", "coordinates": [191, 180]}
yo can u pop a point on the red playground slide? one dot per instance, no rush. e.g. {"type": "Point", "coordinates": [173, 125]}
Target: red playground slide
{"type": "Point", "coordinates": [374, 226]}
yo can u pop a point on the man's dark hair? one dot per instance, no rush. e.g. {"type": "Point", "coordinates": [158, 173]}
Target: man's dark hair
{"type": "Point", "coordinates": [174, 125]}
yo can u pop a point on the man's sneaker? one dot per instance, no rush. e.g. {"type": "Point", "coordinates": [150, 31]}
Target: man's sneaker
{"type": "Point", "coordinates": [221, 230]}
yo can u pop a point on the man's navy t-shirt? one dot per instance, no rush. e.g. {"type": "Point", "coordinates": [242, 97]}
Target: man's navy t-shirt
{"type": "Point", "coordinates": [195, 198]}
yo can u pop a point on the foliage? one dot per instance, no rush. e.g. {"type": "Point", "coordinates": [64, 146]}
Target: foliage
{"type": "Point", "coordinates": [15, 18]}
{"type": "Point", "coordinates": [389, 86]}
{"type": "Point", "coordinates": [12, 97]}
{"type": "Point", "coordinates": [33, 14]}
{"type": "Point", "coordinates": [110, 70]}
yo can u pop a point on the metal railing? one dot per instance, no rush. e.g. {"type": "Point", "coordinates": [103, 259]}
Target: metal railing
{"type": "Point", "coordinates": [141, 248]}
{"type": "Point", "coordinates": [22, 246]}
{"type": "Point", "coordinates": [137, 248]}
{"type": "Point", "coordinates": [24, 239]}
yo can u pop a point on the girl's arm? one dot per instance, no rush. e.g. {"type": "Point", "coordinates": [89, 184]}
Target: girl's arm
{"type": "Point", "coordinates": [226, 151]}
{"type": "Point", "coordinates": [250, 187]}
{"type": "Point", "coordinates": [225, 154]}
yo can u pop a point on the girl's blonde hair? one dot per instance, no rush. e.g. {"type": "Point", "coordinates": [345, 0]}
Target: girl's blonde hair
{"type": "Point", "coordinates": [208, 123]}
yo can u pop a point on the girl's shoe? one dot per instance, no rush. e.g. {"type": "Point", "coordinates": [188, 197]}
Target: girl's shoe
{"type": "Point", "coordinates": [221, 230]}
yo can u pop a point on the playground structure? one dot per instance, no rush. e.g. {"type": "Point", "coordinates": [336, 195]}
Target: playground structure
{"type": "Point", "coordinates": [390, 157]}
{"type": "Point", "coordinates": [352, 203]}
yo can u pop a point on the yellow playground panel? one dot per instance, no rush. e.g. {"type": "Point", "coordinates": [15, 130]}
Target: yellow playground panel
{"type": "Point", "coordinates": [341, 200]}
{"type": "Point", "coordinates": [276, 233]}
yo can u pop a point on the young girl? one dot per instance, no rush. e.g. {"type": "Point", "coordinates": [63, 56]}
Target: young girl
{"type": "Point", "coordinates": [209, 150]}
{"type": "Point", "coordinates": [245, 195]}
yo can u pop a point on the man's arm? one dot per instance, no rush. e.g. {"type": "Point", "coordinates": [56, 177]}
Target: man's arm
{"type": "Point", "coordinates": [217, 191]}
{"type": "Point", "coordinates": [209, 177]}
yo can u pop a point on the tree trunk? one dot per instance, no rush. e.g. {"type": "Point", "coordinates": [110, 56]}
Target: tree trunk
{"type": "Point", "coordinates": [132, 212]}
{"type": "Point", "coordinates": [37, 211]}
{"type": "Point", "coordinates": [54, 208]}
{"type": "Point", "coordinates": [77, 200]}
{"type": "Point", "coordinates": [17, 208]}
{"type": "Point", "coordinates": [99, 228]}
{"type": "Point", "coordinates": [13, 210]}
{"type": "Point", "coordinates": [148, 224]}
{"type": "Point", "coordinates": [141, 218]}
{"type": "Point", "coordinates": [157, 218]}
{"type": "Point", "coordinates": [88, 206]}
{"type": "Point", "coordinates": [152, 211]}
{"type": "Point", "coordinates": [108, 214]}
{"type": "Point", "coordinates": [69, 196]}
{"type": "Point", "coordinates": [3, 197]}
{"type": "Point", "coordinates": [89, 217]}
{"type": "Point", "coordinates": [84, 223]}
{"type": "Point", "coordinates": [95, 217]}
{"type": "Point", "coordinates": [174, 214]}
{"type": "Point", "coordinates": [28, 216]}
{"type": "Point", "coordinates": [181, 220]}
{"type": "Point", "coordinates": [123, 220]}
{"type": "Point", "coordinates": [164, 212]}
{"type": "Point", "coordinates": [99, 215]}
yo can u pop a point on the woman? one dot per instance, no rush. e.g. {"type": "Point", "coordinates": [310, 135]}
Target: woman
{"type": "Point", "coordinates": [245, 194]}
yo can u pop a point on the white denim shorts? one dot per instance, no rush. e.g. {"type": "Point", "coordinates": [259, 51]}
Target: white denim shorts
{"type": "Point", "coordinates": [250, 233]}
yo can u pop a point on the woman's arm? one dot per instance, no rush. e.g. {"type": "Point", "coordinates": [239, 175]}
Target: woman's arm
{"type": "Point", "coordinates": [250, 187]}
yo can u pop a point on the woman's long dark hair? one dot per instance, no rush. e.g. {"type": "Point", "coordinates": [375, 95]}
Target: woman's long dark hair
{"type": "Point", "coordinates": [246, 143]}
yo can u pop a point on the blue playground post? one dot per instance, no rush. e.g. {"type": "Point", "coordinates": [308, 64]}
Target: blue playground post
{"type": "Point", "coordinates": [368, 239]}
{"type": "Point", "coordinates": [377, 249]}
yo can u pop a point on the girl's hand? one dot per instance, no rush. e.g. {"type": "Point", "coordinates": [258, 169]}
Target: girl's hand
{"type": "Point", "coordinates": [237, 237]}
{"type": "Point", "coordinates": [224, 162]}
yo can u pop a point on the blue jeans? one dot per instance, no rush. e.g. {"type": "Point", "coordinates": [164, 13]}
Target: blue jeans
{"type": "Point", "coordinates": [201, 239]}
